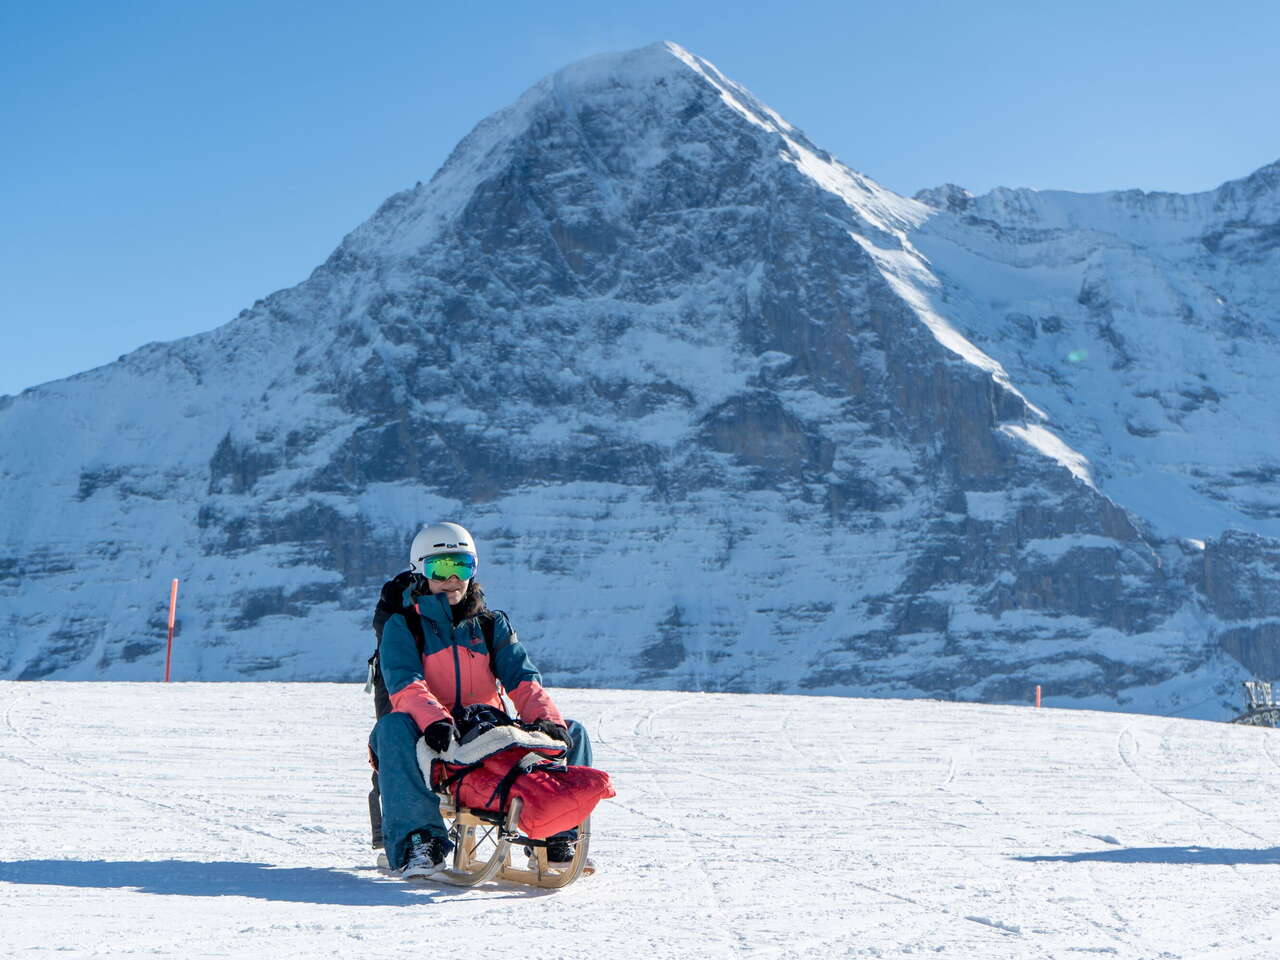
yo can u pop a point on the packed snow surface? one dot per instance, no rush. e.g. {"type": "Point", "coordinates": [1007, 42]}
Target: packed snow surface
{"type": "Point", "coordinates": [229, 820]}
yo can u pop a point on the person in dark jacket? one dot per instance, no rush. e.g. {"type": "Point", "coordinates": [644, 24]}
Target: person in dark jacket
{"type": "Point", "coordinates": [464, 654]}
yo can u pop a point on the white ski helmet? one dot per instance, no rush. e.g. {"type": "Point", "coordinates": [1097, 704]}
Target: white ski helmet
{"type": "Point", "coordinates": [437, 538]}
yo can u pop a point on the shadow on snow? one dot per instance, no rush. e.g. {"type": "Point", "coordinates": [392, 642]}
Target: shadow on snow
{"type": "Point", "coordinates": [261, 881]}
{"type": "Point", "coordinates": [1210, 856]}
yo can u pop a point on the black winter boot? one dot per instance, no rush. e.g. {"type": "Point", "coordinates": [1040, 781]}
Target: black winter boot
{"type": "Point", "coordinates": [426, 856]}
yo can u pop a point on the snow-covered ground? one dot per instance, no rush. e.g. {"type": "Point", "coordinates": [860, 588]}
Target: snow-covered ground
{"type": "Point", "coordinates": [229, 820]}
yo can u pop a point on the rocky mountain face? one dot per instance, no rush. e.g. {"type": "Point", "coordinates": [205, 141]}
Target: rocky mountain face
{"type": "Point", "coordinates": [722, 413]}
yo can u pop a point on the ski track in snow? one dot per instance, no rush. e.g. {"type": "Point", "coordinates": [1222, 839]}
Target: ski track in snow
{"type": "Point", "coordinates": [1268, 751]}
{"type": "Point", "coordinates": [964, 753]}
{"type": "Point", "coordinates": [102, 785]}
{"type": "Point", "coordinates": [643, 727]}
{"type": "Point", "coordinates": [229, 820]}
{"type": "Point", "coordinates": [642, 730]}
{"type": "Point", "coordinates": [1129, 756]}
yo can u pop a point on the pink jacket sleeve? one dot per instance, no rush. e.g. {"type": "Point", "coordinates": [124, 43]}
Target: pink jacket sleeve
{"type": "Point", "coordinates": [401, 667]}
{"type": "Point", "coordinates": [534, 703]}
{"type": "Point", "coordinates": [417, 701]}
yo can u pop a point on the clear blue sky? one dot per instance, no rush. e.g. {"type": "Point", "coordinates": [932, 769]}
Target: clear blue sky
{"type": "Point", "coordinates": [163, 165]}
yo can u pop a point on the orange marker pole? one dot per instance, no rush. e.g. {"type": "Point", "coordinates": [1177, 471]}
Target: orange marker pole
{"type": "Point", "coordinates": [173, 609]}
{"type": "Point", "coordinates": [1037, 685]}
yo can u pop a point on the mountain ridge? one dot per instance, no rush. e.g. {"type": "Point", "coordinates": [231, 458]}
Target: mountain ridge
{"type": "Point", "coordinates": [651, 317]}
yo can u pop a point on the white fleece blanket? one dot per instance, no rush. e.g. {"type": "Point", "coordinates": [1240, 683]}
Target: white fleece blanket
{"type": "Point", "coordinates": [495, 740]}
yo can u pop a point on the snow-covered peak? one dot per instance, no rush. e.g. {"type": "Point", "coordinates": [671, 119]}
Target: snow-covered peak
{"type": "Point", "coordinates": [1255, 198]}
{"type": "Point", "coordinates": [614, 84]}
{"type": "Point", "coordinates": [946, 197]}
{"type": "Point", "coordinates": [661, 100]}
{"type": "Point", "coordinates": [637, 69]}
{"type": "Point", "coordinates": [638, 315]}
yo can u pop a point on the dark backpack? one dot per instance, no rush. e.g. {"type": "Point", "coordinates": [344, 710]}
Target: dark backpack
{"type": "Point", "coordinates": [390, 603]}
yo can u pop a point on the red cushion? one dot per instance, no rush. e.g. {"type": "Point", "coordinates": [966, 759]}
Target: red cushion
{"type": "Point", "coordinates": [555, 798]}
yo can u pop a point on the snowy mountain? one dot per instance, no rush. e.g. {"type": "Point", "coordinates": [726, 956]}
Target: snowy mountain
{"type": "Point", "coordinates": [174, 825]}
{"type": "Point", "coordinates": [723, 414]}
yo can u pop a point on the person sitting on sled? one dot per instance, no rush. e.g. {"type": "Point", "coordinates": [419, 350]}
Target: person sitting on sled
{"type": "Point", "coordinates": [466, 651]}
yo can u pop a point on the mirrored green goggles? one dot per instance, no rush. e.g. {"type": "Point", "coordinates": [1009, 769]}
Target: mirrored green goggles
{"type": "Point", "coordinates": [446, 565]}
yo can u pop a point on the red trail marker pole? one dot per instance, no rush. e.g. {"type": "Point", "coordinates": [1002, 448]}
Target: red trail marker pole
{"type": "Point", "coordinates": [173, 609]}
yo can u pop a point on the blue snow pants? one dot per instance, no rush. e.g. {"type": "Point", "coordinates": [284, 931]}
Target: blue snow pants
{"type": "Point", "coordinates": [408, 804]}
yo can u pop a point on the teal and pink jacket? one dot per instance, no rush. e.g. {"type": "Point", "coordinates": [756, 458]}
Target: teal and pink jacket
{"type": "Point", "coordinates": [454, 669]}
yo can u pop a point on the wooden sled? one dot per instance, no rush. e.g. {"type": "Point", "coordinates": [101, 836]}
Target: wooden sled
{"type": "Point", "coordinates": [485, 844]}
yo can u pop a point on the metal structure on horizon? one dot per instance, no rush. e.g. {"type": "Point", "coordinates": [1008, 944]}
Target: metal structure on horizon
{"type": "Point", "coordinates": [1262, 709]}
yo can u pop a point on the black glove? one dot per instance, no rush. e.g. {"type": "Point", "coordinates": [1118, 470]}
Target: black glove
{"type": "Point", "coordinates": [439, 735]}
{"type": "Point", "coordinates": [555, 731]}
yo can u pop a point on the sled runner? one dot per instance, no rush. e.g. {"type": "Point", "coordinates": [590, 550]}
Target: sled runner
{"type": "Point", "coordinates": [488, 844]}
